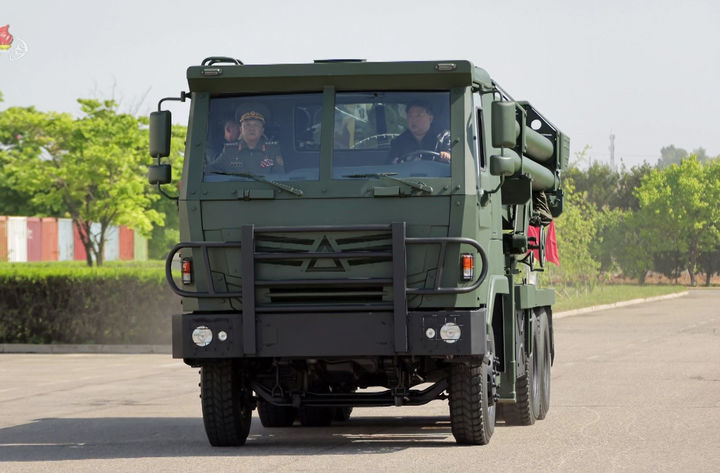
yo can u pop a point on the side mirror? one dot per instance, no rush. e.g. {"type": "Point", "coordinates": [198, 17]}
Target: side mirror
{"type": "Point", "coordinates": [504, 125]}
{"type": "Point", "coordinates": [160, 123]}
{"type": "Point", "coordinates": [159, 174]}
{"type": "Point", "coordinates": [502, 165]}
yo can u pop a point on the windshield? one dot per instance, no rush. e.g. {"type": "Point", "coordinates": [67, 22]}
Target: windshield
{"type": "Point", "coordinates": [404, 134]}
{"type": "Point", "coordinates": [276, 137]}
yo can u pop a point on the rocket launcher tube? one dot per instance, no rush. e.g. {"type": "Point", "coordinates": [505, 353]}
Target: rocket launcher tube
{"type": "Point", "coordinates": [538, 147]}
{"type": "Point", "coordinates": [506, 131]}
{"type": "Point", "coordinates": [510, 164]}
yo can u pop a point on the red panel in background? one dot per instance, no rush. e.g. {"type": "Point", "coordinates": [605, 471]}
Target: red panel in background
{"type": "Point", "coordinates": [127, 244]}
{"type": "Point", "coordinates": [3, 239]}
{"type": "Point", "coordinates": [80, 254]}
{"type": "Point", "coordinates": [49, 239]}
{"type": "Point", "coordinates": [34, 239]}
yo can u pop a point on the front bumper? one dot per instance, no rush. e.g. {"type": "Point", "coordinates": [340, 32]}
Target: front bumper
{"type": "Point", "coordinates": [330, 334]}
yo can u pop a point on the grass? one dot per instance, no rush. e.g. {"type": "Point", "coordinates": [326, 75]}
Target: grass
{"type": "Point", "coordinates": [576, 298]}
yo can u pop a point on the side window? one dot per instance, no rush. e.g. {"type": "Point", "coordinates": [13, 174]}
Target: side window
{"type": "Point", "coordinates": [479, 132]}
{"type": "Point", "coordinates": [479, 141]}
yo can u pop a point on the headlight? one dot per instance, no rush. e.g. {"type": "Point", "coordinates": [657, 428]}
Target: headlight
{"type": "Point", "coordinates": [450, 332]}
{"type": "Point", "coordinates": [202, 336]}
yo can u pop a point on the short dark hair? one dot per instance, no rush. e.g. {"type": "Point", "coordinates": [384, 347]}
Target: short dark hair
{"type": "Point", "coordinates": [419, 103]}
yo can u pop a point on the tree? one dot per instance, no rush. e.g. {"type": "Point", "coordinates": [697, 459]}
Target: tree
{"type": "Point", "coordinates": [92, 168]}
{"type": "Point", "coordinates": [628, 181]}
{"type": "Point", "coordinates": [599, 183]}
{"type": "Point", "coordinates": [576, 231]}
{"type": "Point", "coordinates": [670, 155]}
{"type": "Point", "coordinates": [682, 201]}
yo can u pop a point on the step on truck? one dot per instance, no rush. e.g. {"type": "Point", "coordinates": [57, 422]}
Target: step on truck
{"type": "Point", "coordinates": [359, 234]}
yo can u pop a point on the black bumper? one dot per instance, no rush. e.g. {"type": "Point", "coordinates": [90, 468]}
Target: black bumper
{"type": "Point", "coordinates": [331, 334]}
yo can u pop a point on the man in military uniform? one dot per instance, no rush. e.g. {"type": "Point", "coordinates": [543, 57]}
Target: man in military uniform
{"type": "Point", "coordinates": [420, 136]}
{"type": "Point", "coordinates": [252, 152]}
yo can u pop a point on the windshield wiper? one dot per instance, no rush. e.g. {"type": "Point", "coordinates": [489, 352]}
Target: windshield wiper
{"type": "Point", "coordinates": [391, 176]}
{"type": "Point", "coordinates": [259, 178]}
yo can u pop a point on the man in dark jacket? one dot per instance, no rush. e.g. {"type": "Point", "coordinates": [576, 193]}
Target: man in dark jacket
{"type": "Point", "coordinates": [422, 139]}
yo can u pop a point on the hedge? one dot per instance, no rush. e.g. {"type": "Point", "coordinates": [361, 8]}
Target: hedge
{"type": "Point", "coordinates": [73, 303]}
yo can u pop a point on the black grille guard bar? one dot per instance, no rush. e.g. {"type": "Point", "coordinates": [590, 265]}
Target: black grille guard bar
{"type": "Point", "coordinates": [398, 256]}
{"type": "Point", "coordinates": [379, 255]}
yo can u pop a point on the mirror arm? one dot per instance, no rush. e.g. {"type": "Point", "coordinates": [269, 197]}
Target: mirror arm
{"type": "Point", "coordinates": [165, 194]}
{"type": "Point", "coordinates": [183, 97]}
{"type": "Point", "coordinates": [485, 197]}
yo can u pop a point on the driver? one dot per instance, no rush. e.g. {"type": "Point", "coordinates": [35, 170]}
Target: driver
{"type": "Point", "coordinates": [421, 139]}
{"type": "Point", "coordinates": [253, 152]}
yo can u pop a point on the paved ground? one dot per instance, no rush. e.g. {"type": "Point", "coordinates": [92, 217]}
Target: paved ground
{"type": "Point", "coordinates": [634, 389]}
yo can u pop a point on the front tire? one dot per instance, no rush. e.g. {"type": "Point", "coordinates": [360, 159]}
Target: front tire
{"type": "Point", "coordinates": [226, 404]}
{"type": "Point", "coordinates": [472, 411]}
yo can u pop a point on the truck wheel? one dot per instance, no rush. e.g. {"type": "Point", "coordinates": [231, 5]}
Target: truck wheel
{"type": "Point", "coordinates": [276, 416]}
{"type": "Point", "coordinates": [546, 364]}
{"type": "Point", "coordinates": [316, 416]}
{"type": "Point", "coordinates": [342, 414]}
{"type": "Point", "coordinates": [472, 411]}
{"type": "Point", "coordinates": [527, 389]}
{"type": "Point", "coordinates": [226, 404]}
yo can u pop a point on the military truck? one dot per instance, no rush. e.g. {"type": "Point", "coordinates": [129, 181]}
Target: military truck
{"type": "Point", "coordinates": [325, 269]}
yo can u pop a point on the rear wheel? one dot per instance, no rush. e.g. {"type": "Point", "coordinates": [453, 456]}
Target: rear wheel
{"type": "Point", "coordinates": [276, 416]}
{"type": "Point", "coordinates": [316, 416]}
{"type": "Point", "coordinates": [342, 414]}
{"type": "Point", "coordinates": [527, 388]}
{"type": "Point", "coordinates": [226, 404]}
{"type": "Point", "coordinates": [546, 365]}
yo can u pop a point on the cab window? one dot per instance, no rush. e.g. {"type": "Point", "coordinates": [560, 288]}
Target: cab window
{"type": "Point", "coordinates": [403, 133]}
{"type": "Point", "coordinates": [274, 136]}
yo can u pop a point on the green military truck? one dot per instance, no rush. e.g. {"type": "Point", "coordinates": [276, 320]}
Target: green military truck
{"type": "Point", "coordinates": [355, 234]}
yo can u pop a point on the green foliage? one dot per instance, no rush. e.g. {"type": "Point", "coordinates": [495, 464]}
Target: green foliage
{"type": "Point", "coordinates": [607, 188]}
{"type": "Point", "coordinates": [664, 219]}
{"type": "Point", "coordinates": [91, 168]}
{"type": "Point", "coordinates": [681, 200]}
{"type": "Point", "coordinates": [72, 303]}
{"type": "Point", "coordinates": [576, 230]}
{"type": "Point", "coordinates": [670, 155]}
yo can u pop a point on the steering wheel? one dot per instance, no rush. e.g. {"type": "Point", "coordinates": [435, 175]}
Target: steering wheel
{"type": "Point", "coordinates": [424, 154]}
{"type": "Point", "coordinates": [378, 138]}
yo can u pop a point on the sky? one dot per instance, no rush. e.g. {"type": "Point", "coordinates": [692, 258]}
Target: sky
{"type": "Point", "coordinates": [644, 71]}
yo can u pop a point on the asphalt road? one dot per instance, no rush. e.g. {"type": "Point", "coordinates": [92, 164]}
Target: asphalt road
{"type": "Point", "coordinates": [634, 389]}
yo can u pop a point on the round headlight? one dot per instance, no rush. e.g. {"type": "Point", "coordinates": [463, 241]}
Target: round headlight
{"type": "Point", "coordinates": [222, 335]}
{"type": "Point", "coordinates": [202, 336]}
{"type": "Point", "coordinates": [450, 332]}
{"type": "Point", "coordinates": [430, 333]}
